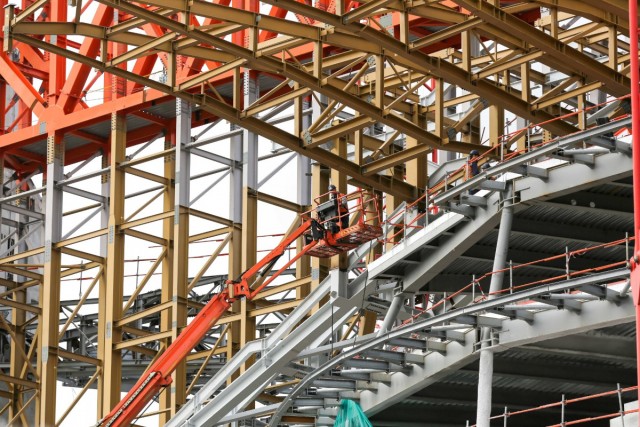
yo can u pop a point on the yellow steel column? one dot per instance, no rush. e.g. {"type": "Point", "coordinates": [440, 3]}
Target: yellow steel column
{"type": "Point", "coordinates": [249, 209]}
{"type": "Point", "coordinates": [102, 290]}
{"type": "Point", "coordinates": [525, 75]}
{"type": "Point", "coordinates": [236, 191]}
{"type": "Point", "coordinates": [50, 291]}
{"type": "Point", "coordinates": [469, 49]}
{"type": "Point", "coordinates": [303, 171]}
{"type": "Point", "coordinates": [416, 170]}
{"type": "Point", "coordinates": [319, 174]}
{"type": "Point", "coordinates": [340, 181]}
{"type": "Point", "coordinates": [496, 124]}
{"type": "Point", "coordinates": [612, 45]}
{"type": "Point", "coordinates": [170, 320]}
{"type": "Point", "coordinates": [112, 363]}
{"type": "Point", "coordinates": [582, 103]}
{"type": "Point", "coordinates": [439, 106]}
{"type": "Point", "coordinates": [249, 249]}
{"type": "Point", "coordinates": [166, 292]}
{"type": "Point", "coordinates": [17, 359]}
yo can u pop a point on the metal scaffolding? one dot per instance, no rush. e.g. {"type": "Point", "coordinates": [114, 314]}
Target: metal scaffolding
{"type": "Point", "coordinates": [150, 151]}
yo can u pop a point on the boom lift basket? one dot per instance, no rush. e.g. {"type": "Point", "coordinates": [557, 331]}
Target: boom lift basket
{"type": "Point", "coordinates": [363, 227]}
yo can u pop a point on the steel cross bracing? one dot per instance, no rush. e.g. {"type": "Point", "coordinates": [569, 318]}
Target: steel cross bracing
{"type": "Point", "coordinates": [375, 365]}
{"type": "Point", "coordinates": [368, 90]}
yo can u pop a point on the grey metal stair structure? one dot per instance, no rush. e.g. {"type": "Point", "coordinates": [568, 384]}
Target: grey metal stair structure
{"type": "Point", "coordinates": [304, 370]}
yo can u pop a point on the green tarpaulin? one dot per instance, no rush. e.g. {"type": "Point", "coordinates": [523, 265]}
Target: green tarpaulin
{"type": "Point", "coordinates": [350, 415]}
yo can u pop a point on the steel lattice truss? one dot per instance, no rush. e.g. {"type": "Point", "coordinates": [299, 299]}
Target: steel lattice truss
{"type": "Point", "coordinates": [351, 57]}
{"type": "Point", "coordinates": [421, 73]}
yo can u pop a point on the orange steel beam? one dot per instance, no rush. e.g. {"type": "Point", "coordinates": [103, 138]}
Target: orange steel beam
{"type": "Point", "coordinates": [23, 87]}
{"type": "Point", "coordinates": [72, 89]}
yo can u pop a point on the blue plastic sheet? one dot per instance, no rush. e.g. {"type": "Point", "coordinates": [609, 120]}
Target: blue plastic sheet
{"type": "Point", "coordinates": [350, 415]}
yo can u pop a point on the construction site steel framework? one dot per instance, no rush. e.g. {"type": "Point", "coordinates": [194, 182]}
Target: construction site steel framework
{"type": "Point", "coordinates": [105, 105]}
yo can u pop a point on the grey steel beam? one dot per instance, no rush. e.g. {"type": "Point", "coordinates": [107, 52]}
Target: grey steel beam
{"type": "Point", "coordinates": [466, 236]}
{"type": "Point", "coordinates": [414, 244]}
{"type": "Point", "coordinates": [83, 193]}
{"type": "Point", "coordinates": [72, 180]}
{"type": "Point", "coordinates": [390, 318]}
{"type": "Point", "coordinates": [269, 343]}
{"type": "Point", "coordinates": [608, 167]}
{"type": "Point", "coordinates": [21, 211]}
{"type": "Point", "coordinates": [24, 194]}
{"type": "Point", "coordinates": [466, 350]}
{"type": "Point", "coordinates": [211, 156]}
{"type": "Point", "coordinates": [221, 137]}
{"type": "Point", "coordinates": [267, 367]}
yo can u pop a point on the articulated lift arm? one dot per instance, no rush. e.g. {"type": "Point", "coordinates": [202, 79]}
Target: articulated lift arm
{"type": "Point", "coordinates": [158, 375]}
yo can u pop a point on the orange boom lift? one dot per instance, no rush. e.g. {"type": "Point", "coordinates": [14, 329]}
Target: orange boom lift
{"type": "Point", "coordinates": [323, 237]}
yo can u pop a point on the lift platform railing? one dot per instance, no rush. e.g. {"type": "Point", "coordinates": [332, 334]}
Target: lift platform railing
{"type": "Point", "coordinates": [341, 231]}
{"type": "Point", "coordinates": [365, 210]}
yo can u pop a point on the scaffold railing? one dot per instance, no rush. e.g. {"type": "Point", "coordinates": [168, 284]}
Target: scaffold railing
{"type": "Point", "coordinates": [564, 403]}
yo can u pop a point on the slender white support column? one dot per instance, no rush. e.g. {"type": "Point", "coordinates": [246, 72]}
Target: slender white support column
{"type": "Point", "coordinates": [485, 370]}
{"type": "Point", "coordinates": [392, 313]}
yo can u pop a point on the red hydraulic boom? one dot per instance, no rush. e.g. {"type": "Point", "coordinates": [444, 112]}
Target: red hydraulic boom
{"type": "Point", "coordinates": [323, 236]}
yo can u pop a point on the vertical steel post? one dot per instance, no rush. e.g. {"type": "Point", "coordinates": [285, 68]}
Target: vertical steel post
{"type": "Point", "coordinates": [635, 126]}
{"type": "Point", "coordinates": [112, 363]}
{"type": "Point", "coordinates": [473, 288]}
{"type": "Point", "coordinates": [392, 313]}
{"type": "Point", "coordinates": [249, 207]}
{"type": "Point", "coordinates": [166, 292]}
{"type": "Point", "coordinates": [50, 292]}
{"type": "Point", "coordinates": [620, 404]}
{"type": "Point", "coordinates": [626, 245]}
{"type": "Point", "coordinates": [485, 370]}
{"type": "Point", "coordinates": [510, 276]}
{"type": "Point", "coordinates": [180, 270]}
{"type": "Point", "coordinates": [303, 188]}
{"type": "Point", "coordinates": [102, 288]}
